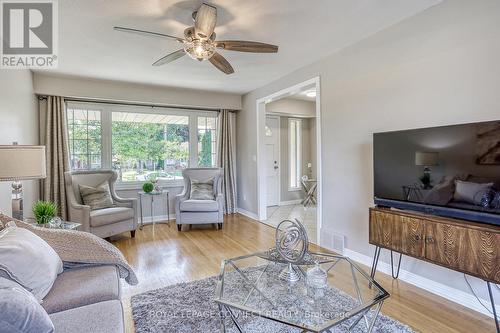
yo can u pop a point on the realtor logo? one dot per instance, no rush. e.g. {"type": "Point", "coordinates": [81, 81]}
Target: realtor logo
{"type": "Point", "coordinates": [29, 34]}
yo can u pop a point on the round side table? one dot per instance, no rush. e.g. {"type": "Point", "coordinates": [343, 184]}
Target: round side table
{"type": "Point", "coordinates": [152, 196]}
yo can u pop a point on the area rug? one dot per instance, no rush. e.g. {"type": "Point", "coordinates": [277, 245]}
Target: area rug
{"type": "Point", "coordinates": [189, 308]}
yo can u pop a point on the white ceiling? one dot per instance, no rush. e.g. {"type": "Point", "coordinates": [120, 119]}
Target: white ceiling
{"type": "Point", "coordinates": [305, 31]}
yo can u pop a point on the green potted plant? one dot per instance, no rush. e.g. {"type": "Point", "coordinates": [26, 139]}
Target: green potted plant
{"type": "Point", "coordinates": [148, 187]}
{"type": "Point", "coordinates": [44, 211]}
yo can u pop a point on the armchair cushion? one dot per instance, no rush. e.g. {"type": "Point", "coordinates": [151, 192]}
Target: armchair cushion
{"type": "Point", "coordinates": [111, 215]}
{"type": "Point", "coordinates": [98, 197]}
{"type": "Point", "coordinates": [202, 190]}
{"type": "Point", "coordinates": [199, 205]}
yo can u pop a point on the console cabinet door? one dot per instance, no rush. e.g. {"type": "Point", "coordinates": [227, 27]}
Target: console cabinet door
{"type": "Point", "coordinates": [385, 230]}
{"type": "Point", "coordinates": [413, 236]}
{"type": "Point", "coordinates": [484, 253]}
{"type": "Point", "coordinates": [443, 242]}
{"type": "Point", "coordinates": [468, 250]}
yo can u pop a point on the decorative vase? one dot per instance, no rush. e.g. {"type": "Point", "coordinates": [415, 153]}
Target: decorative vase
{"type": "Point", "coordinates": [317, 281]}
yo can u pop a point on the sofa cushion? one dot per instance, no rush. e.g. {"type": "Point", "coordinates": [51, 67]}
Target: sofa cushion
{"type": "Point", "coordinates": [106, 216]}
{"type": "Point", "coordinates": [199, 206]}
{"type": "Point", "coordinates": [20, 311]}
{"type": "Point", "coordinates": [103, 317]}
{"type": "Point", "coordinates": [82, 286]}
{"type": "Point", "coordinates": [28, 260]}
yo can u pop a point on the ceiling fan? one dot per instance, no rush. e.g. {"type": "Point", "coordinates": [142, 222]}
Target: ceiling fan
{"type": "Point", "coordinates": [200, 44]}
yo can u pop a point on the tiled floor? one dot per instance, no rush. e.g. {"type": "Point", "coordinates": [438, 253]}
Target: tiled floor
{"type": "Point", "coordinates": [306, 215]}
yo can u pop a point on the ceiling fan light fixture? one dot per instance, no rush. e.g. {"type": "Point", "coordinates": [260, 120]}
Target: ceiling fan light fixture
{"type": "Point", "coordinates": [200, 49]}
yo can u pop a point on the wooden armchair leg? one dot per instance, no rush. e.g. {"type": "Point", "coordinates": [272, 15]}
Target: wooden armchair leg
{"type": "Point", "coordinates": [132, 233]}
{"type": "Point", "coordinates": [179, 227]}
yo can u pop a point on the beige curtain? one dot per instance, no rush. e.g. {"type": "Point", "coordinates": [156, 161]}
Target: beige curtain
{"type": "Point", "coordinates": [54, 135]}
{"type": "Point", "coordinates": [226, 156]}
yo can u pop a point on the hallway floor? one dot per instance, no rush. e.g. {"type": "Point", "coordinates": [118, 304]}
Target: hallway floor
{"type": "Point", "coordinates": [306, 215]}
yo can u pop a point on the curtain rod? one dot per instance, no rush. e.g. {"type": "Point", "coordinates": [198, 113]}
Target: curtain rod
{"type": "Point", "coordinates": [152, 105]}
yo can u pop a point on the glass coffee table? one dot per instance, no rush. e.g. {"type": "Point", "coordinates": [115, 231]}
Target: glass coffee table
{"type": "Point", "coordinates": [250, 287]}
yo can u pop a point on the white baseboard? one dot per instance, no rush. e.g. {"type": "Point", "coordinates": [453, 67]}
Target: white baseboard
{"type": "Point", "coordinates": [290, 202]}
{"type": "Point", "coordinates": [247, 213]}
{"type": "Point", "coordinates": [452, 294]}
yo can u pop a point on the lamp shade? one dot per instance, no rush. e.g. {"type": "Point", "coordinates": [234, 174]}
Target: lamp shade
{"type": "Point", "coordinates": [426, 158]}
{"type": "Point", "coordinates": [22, 162]}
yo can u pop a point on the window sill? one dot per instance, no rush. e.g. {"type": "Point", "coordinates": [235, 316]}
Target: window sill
{"type": "Point", "coordinates": [124, 186]}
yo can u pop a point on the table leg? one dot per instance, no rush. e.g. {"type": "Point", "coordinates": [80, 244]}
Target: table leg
{"type": "Point", "coordinates": [495, 317]}
{"type": "Point", "coordinates": [142, 217]}
{"type": "Point", "coordinates": [375, 316]}
{"type": "Point", "coordinates": [168, 209]}
{"type": "Point", "coordinates": [233, 318]}
{"type": "Point", "coordinates": [222, 319]}
{"type": "Point", "coordinates": [152, 212]}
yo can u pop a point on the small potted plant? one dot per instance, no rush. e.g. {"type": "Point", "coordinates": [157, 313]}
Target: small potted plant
{"type": "Point", "coordinates": [44, 211]}
{"type": "Point", "coordinates": [148, 187]}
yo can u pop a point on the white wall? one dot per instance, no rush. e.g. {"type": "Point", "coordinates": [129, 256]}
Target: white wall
{"type": "Point", "coordinates": [439, 67]}
{"type": "Point", "coordinates": [131, 92]}
{"type": "Point", "coordinates": [18, 122]}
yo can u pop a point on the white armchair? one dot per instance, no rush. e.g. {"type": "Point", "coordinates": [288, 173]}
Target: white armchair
{"type": "Point", "coordinates": [122, 217]}
{"type": "Point", "coordinates": [190, 211]}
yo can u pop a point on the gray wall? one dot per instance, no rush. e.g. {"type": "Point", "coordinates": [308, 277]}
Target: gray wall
{"type": "Point", "coordinates": [18, 122]}
{"type": "Point", "coordinates": [132, 92]}
{"type": "Point", "coordinates": [439, 67]}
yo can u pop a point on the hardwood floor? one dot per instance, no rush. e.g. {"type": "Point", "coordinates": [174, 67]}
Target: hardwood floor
{"type": "Point", "coordinates": [163, 256]}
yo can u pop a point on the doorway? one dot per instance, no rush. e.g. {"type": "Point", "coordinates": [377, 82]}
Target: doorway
{"type": "Point", "coordinates": [289, 128]}
{"type": "Point", "coordinates": [272, 160]}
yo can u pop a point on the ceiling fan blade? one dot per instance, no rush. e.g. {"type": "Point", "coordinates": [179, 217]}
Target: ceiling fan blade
{"type": "Point", "coordinates": [148, 33]}
{"type": "Point", "coordinates": [221, 63]}
{"type": "Point", "coordinates": [206, 18]}
{"type": "Point", "coordinates": [170, 57]}
{"type": "Point", "coordinates": [246, 46]}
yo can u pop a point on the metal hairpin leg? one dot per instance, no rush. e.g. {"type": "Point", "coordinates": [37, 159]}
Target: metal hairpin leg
{"type": "Point", "coordinates": [376, 256]}
{"type": "Point", "coordinates": [395, 275]}
{"type": "Point", "coordinates": [495, 317]}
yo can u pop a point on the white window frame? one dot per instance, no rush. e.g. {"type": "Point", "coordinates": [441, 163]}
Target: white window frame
{"type": "Point", "coordinates": [107, 110]}
{"type": "Point", "coordinates": [298, 153]}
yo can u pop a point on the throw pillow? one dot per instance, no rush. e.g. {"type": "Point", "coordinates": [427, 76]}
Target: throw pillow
{"type": "Point", "coordinates": [28, 260]}
{"type": "Point", "coordinates": [466, 191]}
{"type": "Point", "coordinates": [20, 311]}
{"type": "Point", "coordinates": [96, 197]}
{"type": "Point", "coordinates": [202, 190]}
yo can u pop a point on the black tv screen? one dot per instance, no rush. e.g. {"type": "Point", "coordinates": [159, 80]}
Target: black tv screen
{"type": "Point", "coordinates": [450, 170]}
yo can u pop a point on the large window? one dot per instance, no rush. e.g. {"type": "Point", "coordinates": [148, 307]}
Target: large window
{"type": "Point", "coordinates": [141, 143]}
{"type": "Point", "coordinates": [84, 127]}
{"type": "Point", "coordinates": [295, 153]}
{"type": "Point", "coordinates": [207, 141]}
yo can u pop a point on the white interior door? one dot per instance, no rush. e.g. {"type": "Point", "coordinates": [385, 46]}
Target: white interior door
{"type": "Point", "coordinates": [272, 160]}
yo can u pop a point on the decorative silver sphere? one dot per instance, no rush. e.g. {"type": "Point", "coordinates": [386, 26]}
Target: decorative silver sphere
{"type": "Point", "coordinates": [291, 241]}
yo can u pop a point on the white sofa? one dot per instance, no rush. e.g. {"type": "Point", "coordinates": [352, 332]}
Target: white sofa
{"type": "Point", "coordinates": [189, 211]}
{"type": "Point", "coordinates": [122, 217]}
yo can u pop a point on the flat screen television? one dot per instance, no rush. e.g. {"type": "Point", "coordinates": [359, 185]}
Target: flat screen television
{"type": "Point", "coordinates": [451, 171]}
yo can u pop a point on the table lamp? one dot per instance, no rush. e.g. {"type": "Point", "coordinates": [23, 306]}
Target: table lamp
{"type": "Point", "coordinates": [20, 162]}
{"type": "Point", "coordinates": [426, 159]}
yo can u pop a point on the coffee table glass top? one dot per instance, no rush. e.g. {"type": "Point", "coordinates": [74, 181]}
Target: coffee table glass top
{"type": "Point", "coordinates": [252, 284]}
